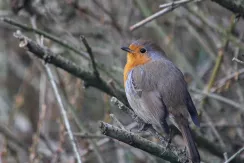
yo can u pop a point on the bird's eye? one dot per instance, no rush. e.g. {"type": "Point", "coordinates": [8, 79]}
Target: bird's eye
{"type": "Point", "coordinates": [143, 50]}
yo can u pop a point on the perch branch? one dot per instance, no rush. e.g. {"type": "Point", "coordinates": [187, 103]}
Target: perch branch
{"type": "Point", "coordinates": [201, 141]}
{"type": "Point", "coordinates": [138, 142]}
{"type": "Point", "coordinates": [181, 155]}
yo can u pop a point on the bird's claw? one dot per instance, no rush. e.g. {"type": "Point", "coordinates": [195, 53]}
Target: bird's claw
{"type": "Point", "coordinates": [168, 139]}
{"type": "Point", "coordinates": [168, 142]}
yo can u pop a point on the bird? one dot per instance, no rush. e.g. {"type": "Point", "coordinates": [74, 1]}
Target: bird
{"type": "Point", "coordinates": [156, 91]}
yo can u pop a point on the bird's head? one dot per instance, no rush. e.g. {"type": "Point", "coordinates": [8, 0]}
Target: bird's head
{"type": "Point", "coordinates": [141, 52]}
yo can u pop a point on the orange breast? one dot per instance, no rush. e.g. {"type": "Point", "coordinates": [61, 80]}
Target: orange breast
{"type": "Point", "coordinates": [134, 60]}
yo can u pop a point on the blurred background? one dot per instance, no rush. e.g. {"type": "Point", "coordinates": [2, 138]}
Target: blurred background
{"type": "Point", "coordinates": [200, 38]}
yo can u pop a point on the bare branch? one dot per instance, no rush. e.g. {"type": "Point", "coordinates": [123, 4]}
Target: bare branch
{"type": "Point", "coordinates": [180, 2]}
{"type": "Point", "coordinates": [120, 125]}
{"type": "Point", "coordinates": [166, 9]}
{"type": "Point", "coordinates": [223, 81]}
{"type": "Point", "coordinates": [152, 17]}
{"type": "Point", "coordinates": [139, 142]}
{"type": "Point", "coordinates": [13, 138]}
{"type": "Point", "coordinates": [234, 155]}
{"type": "Point", "coordinates": [220, 98]}
{"type": "Point", "coordinates": [82, 53]}
{"type": "Point", "coordinates": [238, 60]}
{"type": "Point", "coordinates": [89, 51]}
{"type": "Point", "coordinates": [45, 34]}
{"type": "Point", "coordinates": [48, 56]}
{"type": "Point", "coordinates": [153, 132]}
{"type": "Point", "coordinates": [63, 113]}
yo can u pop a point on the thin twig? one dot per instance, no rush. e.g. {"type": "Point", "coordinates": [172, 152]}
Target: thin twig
{"type": "Point", "coordinates": [63, 113]}
{"type": "Point", "coordinates": [213, 77]}
{"type": "Point", "coordinates": [152, 17]}
{"type": "Point", "coordinates": [237, 60]}
{"type": "Point", "coordinates": [199, 14]}
{"type": "Point", "coordinates": [83, 129]}
{"type": "Point", "coordinates": [45, 34]}
{"type": "Point", "coordinates": [117, 121]}
{"type": "Point", "coordinates": [98, 144]}
{"type": "Point", "coordinates": [180, 2]}
{"type": "Point", "coordinates": [89, 136]}
{"type": "Point", "coordinates": [181, 61]}
{"type": "Point", "coordinates": [13, 138]}
{"type": "Point", "coordinates": [225, 156]}
{"type": "Point", "coordinates": [200, 39]}
{"type": "Point", "coordinates": [159, 13]}
{"type": "Point", "coordinates": [111, 15]}
{"type": "Point", "coordinates": [220, 98]}
{"type": "Point", "coordinates": [234, 155]}
{"type": "Point", "coordinates": [42, 107]}
{"type": "Point", "coordinates": [223, 81]}
{"type": "Point", "coordinates": [89, 51]}
{"type": "Point", "coordinates": [219, 125]}
{"type": "Point", "coordinates": [214, 129]}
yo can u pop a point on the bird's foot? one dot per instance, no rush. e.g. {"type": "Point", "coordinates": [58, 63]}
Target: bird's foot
{"type": "Point", "coordinates": [168, 142]}
{"type": "Point", "coordinates": [168, 139]}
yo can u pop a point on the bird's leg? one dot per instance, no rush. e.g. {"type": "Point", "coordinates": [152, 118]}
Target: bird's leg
{"type": "Point", "coordinates": [168, 131]}
{"type": "Point", "coordinates": [168, 139]}
{"type": "Point", "coordinates": [144, 127]}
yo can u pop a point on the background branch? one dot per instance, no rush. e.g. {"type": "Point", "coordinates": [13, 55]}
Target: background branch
{"type": "Point", "coordinates": [69, 66]}
{"type": "Point", "coordinates": [236, 6]}
{"type": "Point", "coordinates": [89, 51]}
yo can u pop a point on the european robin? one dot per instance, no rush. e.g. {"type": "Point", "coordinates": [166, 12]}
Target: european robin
{"type": "Point", "coordinates": [156, 89]}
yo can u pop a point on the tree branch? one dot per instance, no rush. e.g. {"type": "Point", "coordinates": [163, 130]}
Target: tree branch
{"type": "Point", "coordinates": [139, 142]}
{"type": "Point", "coordinates": [220, 98]}
{"type": "Point", "coordinates": [237, 60]}
{"type": "Point", "coordinates": [63, 113]}
{"type": "Point", "coordinates": [162, 12]}
{"type": "Point", "coordinates": [48, 56]}
{"type": "Point", "coordinates": [89, 51]}
{"type": "Point", "coordinates": [234, 155]}
{"type": "Point", "coordinates": [80, 52]}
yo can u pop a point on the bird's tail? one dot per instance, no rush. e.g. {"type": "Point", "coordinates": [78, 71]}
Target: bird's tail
{"type": "Point", "coordinates": [190, 144]}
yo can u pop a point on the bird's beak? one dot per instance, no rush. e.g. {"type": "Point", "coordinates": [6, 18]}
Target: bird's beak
{"type": "Point", "coordinates": [127, 49]}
